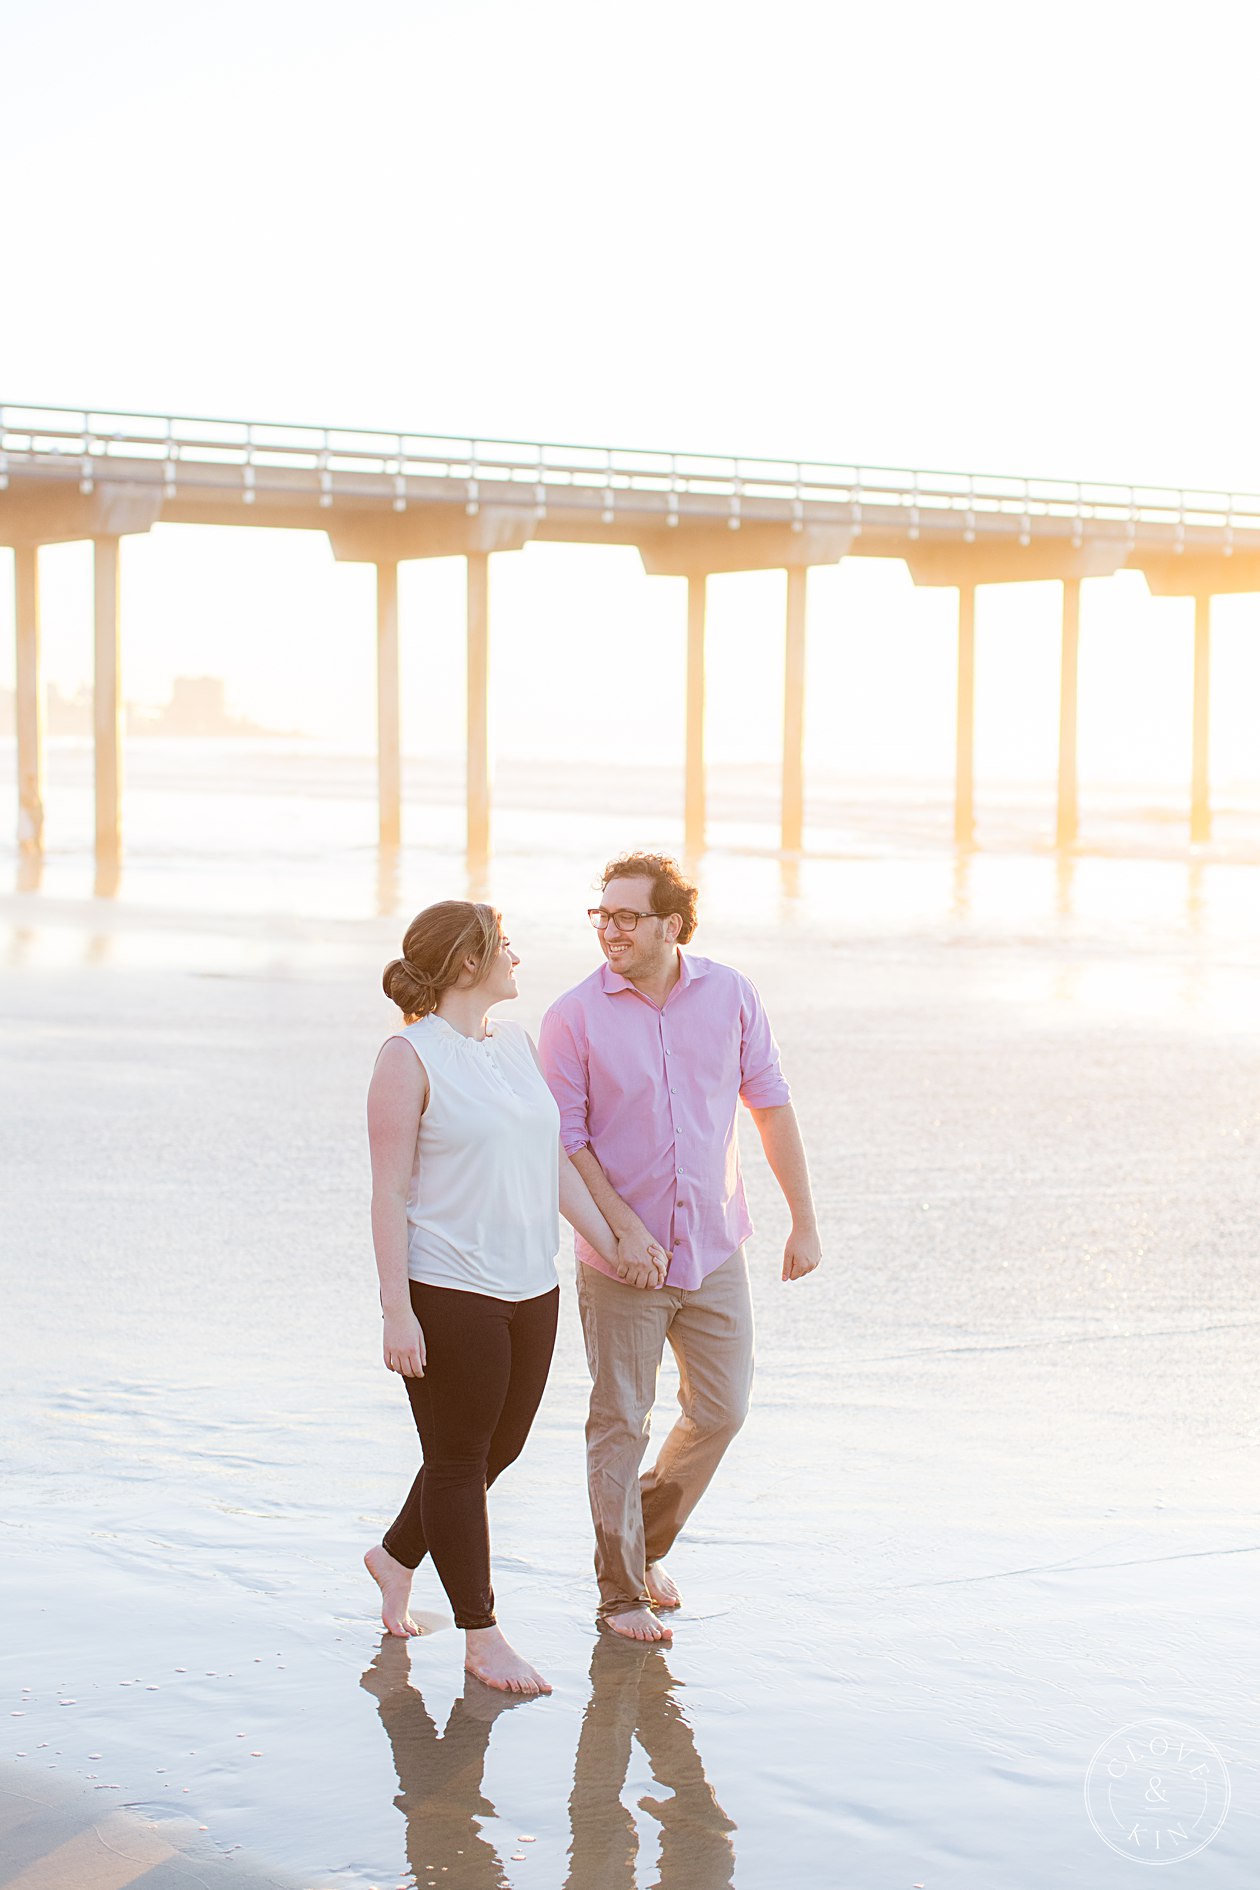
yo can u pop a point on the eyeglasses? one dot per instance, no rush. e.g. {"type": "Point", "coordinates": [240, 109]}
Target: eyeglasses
{"type": "Point", "coordinates": [623, 919]}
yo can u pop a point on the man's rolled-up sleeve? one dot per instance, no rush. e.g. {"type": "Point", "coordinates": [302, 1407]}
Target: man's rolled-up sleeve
{"type": "Point", "coordinates": [762, 1084]}
{"type": "Point", "coordinates": [564, 1066]}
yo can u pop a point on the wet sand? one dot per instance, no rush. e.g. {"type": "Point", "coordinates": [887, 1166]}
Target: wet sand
{"type": "Point", "coordinates": [994, 1503]}
{"type": "Point", "coordinates": [54, 1834]}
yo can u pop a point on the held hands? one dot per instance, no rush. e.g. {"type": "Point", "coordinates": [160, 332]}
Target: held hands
{"type": "Point", "coordinates": [802, 1253]}
{"type": "Point", "coordinates": [403, 1346]}
{"type": "Point", "coordinates": [641, 1261]}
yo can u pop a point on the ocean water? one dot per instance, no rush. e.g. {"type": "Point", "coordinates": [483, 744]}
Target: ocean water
{"type": "Point", "coordinates": [993, 1513]}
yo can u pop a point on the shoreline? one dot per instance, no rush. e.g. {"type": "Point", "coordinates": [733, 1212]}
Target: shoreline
{"type": "Point", "coordinates": [993, 1501]}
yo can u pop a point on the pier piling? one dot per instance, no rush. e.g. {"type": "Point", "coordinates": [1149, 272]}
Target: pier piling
{"type": "Point", "coordinates": [479, 757]}
{"type": "Point", "coordinates": [1067, 825]}
{"type": "Point", "coordinates": [694, 807]}
{"type": "Point", "coordinates": [107, 701]}
{"type": "Point", "coordinates": [965, 759]}
{"type": "Point", "coordinates": [793, 809]}
{"type": "Point", "coordinates": [1200, 804]}
{"type": "Point", "coordinates": [388, 725]}
{"type": "Point", "coordinates": [30, 701]}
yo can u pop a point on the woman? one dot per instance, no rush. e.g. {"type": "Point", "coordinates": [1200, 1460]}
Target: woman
{"type": "Point", "coordinates": [468, 1179]}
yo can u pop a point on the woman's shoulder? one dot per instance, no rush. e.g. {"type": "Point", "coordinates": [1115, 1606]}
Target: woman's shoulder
{"type": "Point", "coordinates": [418, 1029]}
{"type": "Point", "coordinates": [400, 1067]}
{"type": "Point", "coordinates": [512, 1035]}
{"type": "Point", "coordinates": [418, 1034]}
{"type": "Point", "coordinates": [422, 1039]}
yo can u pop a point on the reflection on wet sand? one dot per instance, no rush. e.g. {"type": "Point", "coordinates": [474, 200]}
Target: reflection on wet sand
{"type": "Point", "coordinates": [22, 943]}
{"type": "Point", "coordinates": [107, 878]}
{"type": "Point", "coordinates": [440, 1773]}
{"type": "Point", "coordinates": [388, 880]}
{"type": "Point", "coordinates": [960, 904]}
{"type": "Point", "coordinates": [632, 1697]}
{"type": "Point", "coordinates": [1196, 898]}
{"type": "Point", "coordinates": [477, 868]}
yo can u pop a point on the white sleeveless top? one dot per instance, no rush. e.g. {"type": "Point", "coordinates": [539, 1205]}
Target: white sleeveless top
{"type": "Point", "coordinates": [483, 1206]}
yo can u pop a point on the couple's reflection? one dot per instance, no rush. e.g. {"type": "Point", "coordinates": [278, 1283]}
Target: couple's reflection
{"type": "Point", "coordinates": [632, 1697]}
{"type": "Point", "coordinates": [440, 1773]}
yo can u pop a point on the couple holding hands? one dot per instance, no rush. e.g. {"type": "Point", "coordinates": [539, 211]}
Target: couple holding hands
{"type": "Point", "coordinates": [623, 1120]}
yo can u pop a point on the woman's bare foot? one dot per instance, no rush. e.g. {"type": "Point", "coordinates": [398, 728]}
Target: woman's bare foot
{"type": "Point", "coordinates": [638, 1624]}
{"type": "Point", "coordinates": [662, 1587]}
{"type": "Point", "coordinates": [394, 1581]}
{"type": "Point", "coordinates": [492, 1659]}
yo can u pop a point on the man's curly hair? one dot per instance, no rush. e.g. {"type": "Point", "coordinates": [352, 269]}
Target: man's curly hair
{"type": "Point", "coordinates": [670, 891]}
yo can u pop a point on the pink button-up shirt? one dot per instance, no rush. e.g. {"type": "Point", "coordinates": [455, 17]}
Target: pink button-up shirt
{"type": "Point", "coordinates": [652, 1092]}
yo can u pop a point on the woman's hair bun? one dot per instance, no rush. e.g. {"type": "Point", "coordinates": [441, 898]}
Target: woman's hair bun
{"type": "Point", "coordinates": [440, 943]}
{"type": "Point", "coordinates": [409, 987]}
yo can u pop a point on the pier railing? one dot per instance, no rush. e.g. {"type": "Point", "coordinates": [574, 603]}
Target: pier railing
{"type": "Point", "coordinates": [229, 455]}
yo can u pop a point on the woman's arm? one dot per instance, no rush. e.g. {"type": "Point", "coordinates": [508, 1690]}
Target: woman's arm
{"type": "Point", "coordinates": [579, 1209]}
{"type": "Point", "coordinates": [640, 1260]}
{"type": "Point", "coordinates": [397, 1096]}
{"type": "Point", "coordinates": [581, 1212]}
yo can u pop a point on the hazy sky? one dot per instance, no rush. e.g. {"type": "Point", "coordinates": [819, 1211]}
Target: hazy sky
{"type": "Point", "coordinates": [978, 235]}
{"type": "Point", "coordinates": [981, 236]}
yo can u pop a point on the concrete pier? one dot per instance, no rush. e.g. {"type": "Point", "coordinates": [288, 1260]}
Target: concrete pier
{"type": "Point", "coordinates": [965, 721]}
{"type": "Point", "coordinates": [693, 795]}
{"type": "Point", "coordinates": [30, 701]}
{"type": "Point", "coordinates": [479, 763]}
{"type": "Point", "coordinates": [793, 804]}
{"type": "Point", "coordinates": [386, 498]}
{"type": "Point", "coordinates": [1067, 824]}
{"type": "Point", "coordinates": [388, 713]}
{"type": "Point", "coordinates": [107, 701]}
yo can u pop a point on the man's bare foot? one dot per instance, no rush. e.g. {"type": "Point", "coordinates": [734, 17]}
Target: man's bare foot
{"type": "Point", "coordinates": [662, 1587]}
{"type": "Point", "coordinates": [492, 1659]}
{"type": "Point", "coordinates": [638, 1624]}
{"type": "Point", "coordinates": [394, 1581]}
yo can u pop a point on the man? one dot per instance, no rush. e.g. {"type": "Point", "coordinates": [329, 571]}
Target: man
{"type": "Point", "coordinates": [648, 1059]}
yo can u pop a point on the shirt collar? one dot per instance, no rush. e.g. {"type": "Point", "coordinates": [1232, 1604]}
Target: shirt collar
{"type": "Point", "coordinates": [688, 968]}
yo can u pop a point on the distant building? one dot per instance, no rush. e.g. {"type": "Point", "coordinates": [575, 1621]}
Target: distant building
{"type": "Point", "coordinates": [198, 706]}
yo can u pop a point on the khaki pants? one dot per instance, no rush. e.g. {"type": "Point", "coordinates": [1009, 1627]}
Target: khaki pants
{"type": "Point", "coordinates": [710, 1330]}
